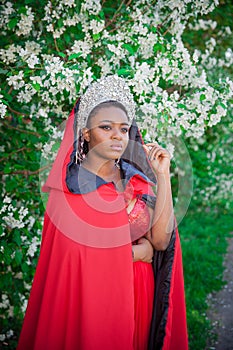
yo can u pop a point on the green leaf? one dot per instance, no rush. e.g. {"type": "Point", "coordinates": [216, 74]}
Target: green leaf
{"type": "Point", "coordinates": [129, 48]}
{"type": "Point", "coordinates": [7, 169]}
{"type": "Point", "coordinates": [62, 54]}
{"type": "Point", "coordinates": [181, 105]}
{"type": "Point", "coordinates": [125, 72]}
{"type": "Point", "coordinates": [12, 23]}
{"type": "Point", "coordinates": [222, 105]}
{"type": "Point", "coordinates": [60, 23]}
{"type": "Point", "coordinates": [96, 37]}
{"type": "Point", "coordinates": [158, 47]}
{"type": "Point", "coordinates": [25, 267]}
{"type": "Point", "coordinates": [75, 67]}
{"type": "Point", "coordinates": [153, 29]}
{"type": "Point", "coordinates": [22, 10]}
{"type": "Point", "coordinates": [74, 55]}
{"type": "Point", "coordinates": [202, 97]}
{"type": "Point", "coordinates": [67, 38]}
{"type": "Point", "coordinates": [36, 86]}
{"type": "Point", "coordinates": [17, 238]}
{"type": "Point", "coordinates": [3, 71]}
{"type": "Point", "coordinates": [18, 257]}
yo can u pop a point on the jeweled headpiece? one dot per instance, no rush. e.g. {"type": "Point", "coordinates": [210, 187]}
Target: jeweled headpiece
{"type": "Point", "coordinates": [110, 88]}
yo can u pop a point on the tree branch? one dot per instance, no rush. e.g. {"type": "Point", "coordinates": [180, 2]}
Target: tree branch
{"type": "Point", "coordinates": [16, 151]}
{"type": "Point", "coordinates": [22, 130]}
{"type": "Point", "coordinates": [16, 112]}
{"type": "Point", "coordinates": [26, 173]}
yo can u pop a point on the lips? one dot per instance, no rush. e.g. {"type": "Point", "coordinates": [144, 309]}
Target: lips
{"type": "Point", "coordinates": [116, 147]}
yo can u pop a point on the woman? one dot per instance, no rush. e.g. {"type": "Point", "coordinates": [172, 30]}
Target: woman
{"type": "Point", "coordinates": [95, 286]}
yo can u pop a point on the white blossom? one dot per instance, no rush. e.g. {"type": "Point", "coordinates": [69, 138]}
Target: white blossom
{"type": "Point", "coordinates": [3, 109]}
{"type": "Point", "coordinates": [105, 66]}
{"type": "Point", "coordinates": [96, 26]}
{"type": "Point", "coordinates": [32, 61]}
{"type": "Point", "coordinates": [25, 23]}
{"type": "Point", "coordinates": [26, 94]}
{"type": "Point", "coordinates": [203, 24]}
{"type": "Point", "coordinates": [5, 303]}
{"type": "Point", "coordinates": [47, 150]}
{"type": "Point", "coordinates": [93, 7]}
{"type": "Point", "coordinates": [84, 47]}
{"type": "Point", "coordinates": [16, 80]}
{"type": "Point", "coordinates": [69, 3]}
{"type": "Point", "coordinates": [2, 337]}
{"type": "Point", "coordinates": [9, 333]}
{"type": "Point", "coordinates": [34, 244]}
{"type": "Point", "coordinates": [87, 78]}
{"type": "Point", "coordinates": [196, 56]}
{"type": "Point", "coordinates": [7, 10]}
{"type": "Point", "coordinates": [7, 200]}
{"type": "Point", "coordinates": [9, 55]}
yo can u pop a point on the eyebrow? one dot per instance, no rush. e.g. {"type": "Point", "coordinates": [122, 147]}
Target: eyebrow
{"type": "Point", "coordinates": [111, 121]}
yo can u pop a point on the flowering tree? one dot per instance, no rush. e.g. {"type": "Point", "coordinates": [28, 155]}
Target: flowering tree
{"type": "Point", "coordinates": [50, 53]}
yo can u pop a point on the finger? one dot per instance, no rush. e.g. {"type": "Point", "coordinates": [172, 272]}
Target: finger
{"type": "Point", "coordinates": [147, 149]}
{"type": "Point", "coordinates": [141, 240]}
{"type": "Point", "coordinates": [159, 152]}
{"type": "Point", "coordinates": [152, 144]}
{"type": "Point", "coordinates": [154, 153]}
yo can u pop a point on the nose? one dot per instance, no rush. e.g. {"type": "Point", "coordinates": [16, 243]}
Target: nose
{"type": "Point", "coordinates": [116, 134]}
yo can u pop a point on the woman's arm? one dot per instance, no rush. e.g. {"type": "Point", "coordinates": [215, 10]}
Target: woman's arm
{"type": "Point", "coordinates": [163, 216]}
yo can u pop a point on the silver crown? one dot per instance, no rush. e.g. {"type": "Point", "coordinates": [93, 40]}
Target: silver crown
{"type": "Point", "coordinates": [110, 88]}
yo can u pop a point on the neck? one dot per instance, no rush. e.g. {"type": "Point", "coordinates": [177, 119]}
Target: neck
{"type": "Point", "coordinates": [100, 167]}
{"type": "Point", "coordinates": [107, 170]}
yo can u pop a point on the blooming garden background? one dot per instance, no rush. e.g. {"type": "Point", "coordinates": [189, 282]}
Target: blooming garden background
{"type": "Point", "coordinates": [177, 58]}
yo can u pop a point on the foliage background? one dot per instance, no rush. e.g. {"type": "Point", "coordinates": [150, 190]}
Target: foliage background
{"type": "Point", "coordinates": [177, 57]}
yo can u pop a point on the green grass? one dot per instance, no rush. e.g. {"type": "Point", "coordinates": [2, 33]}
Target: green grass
{"type": "Point", "coordinates": [203, 237]}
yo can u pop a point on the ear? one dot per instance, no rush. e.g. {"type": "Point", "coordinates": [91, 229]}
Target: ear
{"type": "Point", "coordinates": [86, 134]}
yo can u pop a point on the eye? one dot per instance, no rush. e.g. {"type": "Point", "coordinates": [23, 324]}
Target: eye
{"type": "Point", "coordinates": [124, 130]}
{"type": "Point", "coordinates": [105, 127]}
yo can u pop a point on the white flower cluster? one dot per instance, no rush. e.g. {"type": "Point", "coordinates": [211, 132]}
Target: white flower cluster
{"type": "Point", "coordinates": [207, 59]}
{"type": "Point", "coordinates": [96, 26]}
{"type": "Point", "coordinates": [14, 215]}
{"type": "Point", "coordinates": [3, 107]}
{"type": "Point", "coordinates": [93, 7]}
{"type": "Point", "coordinates": [30, 53]}
{"type": "Point", "coordinates": [26, 22]}
{"type": "Point", "coordinates": [203, 24]}
{"type": "Point", "coordinates": [8, 312]}
{"type": "Point", "coordinates": [49, 149]}
{"type": "Point", "coordinates": [220, 180]}
{"type": "Point", "coordinates": [150, 57]}
{"type": "Point", "coordinates": [178, 9]}
{"type": "Point", "coordinates": [220, 189]}
{"type": "Point", "coordinates": [9, 55]}
{"type": "Point", "coordinates": [8, 335]}
{"type": "Point", "coordinates": [84, 47]}
{"type": "Point", "coordinates": [34, 246]}
{"type": "Point", "coordinates": [6, 10]}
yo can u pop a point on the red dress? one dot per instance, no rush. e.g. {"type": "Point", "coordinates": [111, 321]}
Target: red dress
{"type": "Point", "coordinates": [139, 219]}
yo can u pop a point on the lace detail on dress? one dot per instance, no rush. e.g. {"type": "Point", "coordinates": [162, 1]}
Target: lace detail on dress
{"type": "Point", "coordinates": [139, 219]}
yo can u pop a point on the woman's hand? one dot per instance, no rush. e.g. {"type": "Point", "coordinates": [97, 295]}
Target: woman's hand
{"type": "Point", "coordinates": [143, 251]}
{"type": "Point", "coordinates": [159, 157]}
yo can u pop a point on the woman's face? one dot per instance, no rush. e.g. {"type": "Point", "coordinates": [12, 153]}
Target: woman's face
{"type": "Point", "coordinates": [108, 133]}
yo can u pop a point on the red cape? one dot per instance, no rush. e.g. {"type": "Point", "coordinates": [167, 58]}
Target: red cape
{"type": "Point", "coordinates": [82, 295]}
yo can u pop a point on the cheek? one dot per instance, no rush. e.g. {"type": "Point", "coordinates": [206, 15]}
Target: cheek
{"type": "Point", "coordinates": [126, 140]}
{"type": "Point", "coordinates": [97, 140]}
